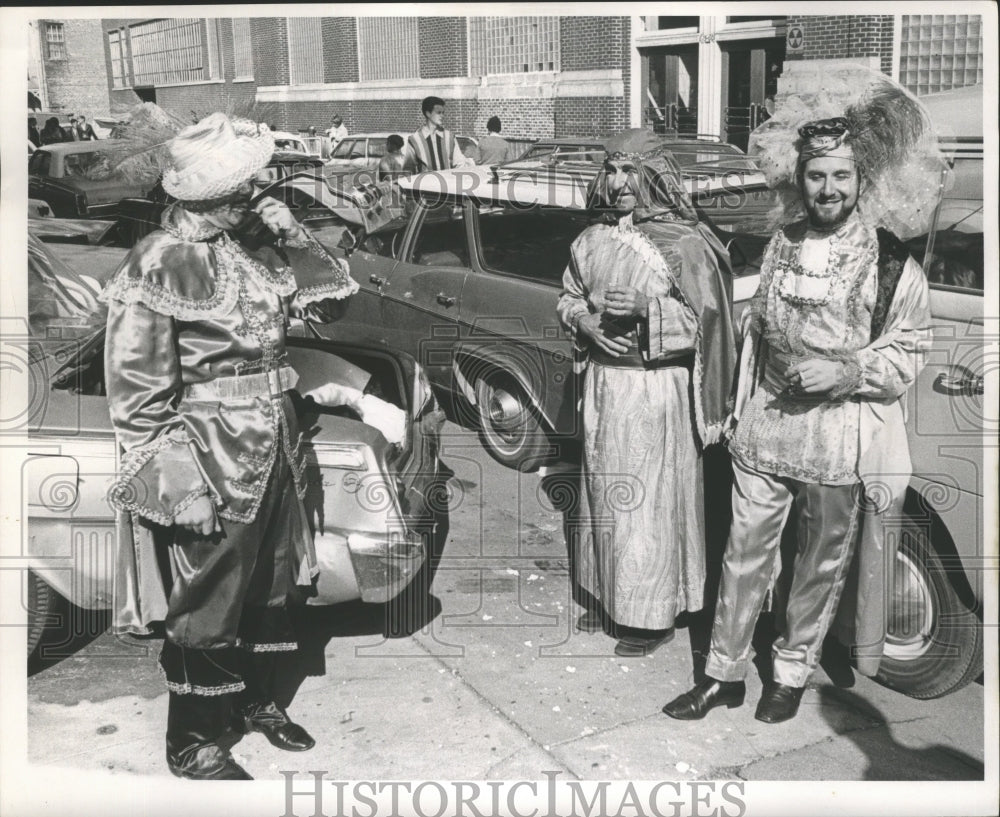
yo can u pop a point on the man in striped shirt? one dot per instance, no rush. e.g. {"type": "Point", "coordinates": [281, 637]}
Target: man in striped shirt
{"type": "Point", "coordinates": [432, 146]}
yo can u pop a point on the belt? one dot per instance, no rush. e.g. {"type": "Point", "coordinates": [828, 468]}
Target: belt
{"type": "Point", "coordinates": [778, 383]}
{"type": "Point", "coordinates": [272, 383]}
{"type": "Point", "coordinates": [633, 359]}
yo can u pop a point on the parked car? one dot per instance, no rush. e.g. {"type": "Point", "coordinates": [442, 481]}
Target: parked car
{"type": "Point", "coordinates": [363, 151]}
{"type": "Point", "coordinates": [369, 501]}
{"type": "Point", "coordinates": [76, 179]}
{"type": "Point", "coordinates": [289, 142]}
{"type": "Point", "coordinates": [704, 162]}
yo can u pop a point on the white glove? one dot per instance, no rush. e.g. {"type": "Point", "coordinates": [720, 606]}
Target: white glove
{"type": "Point", "coordinates": [333, 395]}
{"type": "Point", "coordinates": [386, 417]}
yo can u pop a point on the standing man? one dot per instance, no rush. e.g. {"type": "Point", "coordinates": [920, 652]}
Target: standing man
{"type": "Point", "coordinates": [211, 477]}
{"type": "Point", "coordinates": [84, 130]}
{"type": "Point", "coordinates": [493, 148]}
{"type": "Point", "coordinates": [838, 333]}
{"type": "Point", "coordinates": [390, 166]}
{"type": "Point", "coordinates": [432, 146]}
{"type": "Point", "coordinates": [337, 132]}
{"type": "Point", "coordinates": [646, 298]}
{"type": "Point", "coordinates": [33, 135]}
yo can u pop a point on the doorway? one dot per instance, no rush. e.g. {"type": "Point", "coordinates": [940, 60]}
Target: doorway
{"type": "Point", "coordinates": [670, 89]}
{"type": "Point", "coordinates": [750, 71]}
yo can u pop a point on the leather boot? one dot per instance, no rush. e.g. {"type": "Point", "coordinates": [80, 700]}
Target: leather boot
{"type": "Point", "coordinates": [256, 711]}
{"type": "Point", "coordinates": [194, 724]}
{"type": "Point", "coordinates": [696, 703]}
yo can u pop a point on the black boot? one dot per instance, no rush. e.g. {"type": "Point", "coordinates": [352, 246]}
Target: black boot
{"type": "Point", "coordinates": [194, 724]}
{"type": "Point", "coordinates": [256, 711]}
{"type": "Point", "coordinates": [696, 703]}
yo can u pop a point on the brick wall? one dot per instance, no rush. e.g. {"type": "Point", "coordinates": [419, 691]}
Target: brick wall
{"type": "Point", "coordinates": [846, 36]}
{"type": "Point", "coordinates": [340, 49]}
{"type": "Point", "coordinates": [443, 47]}
{"type": "Point", "coordinates": [590, 43]}
{"type": "Point", "coordinates": [589, 116]}
{"type": "Point", "coordinates": [529, 119]}
{"type": "Point", "coordinates": [269, 39]}
{"type": "Point", "coordinates": [73, 84]}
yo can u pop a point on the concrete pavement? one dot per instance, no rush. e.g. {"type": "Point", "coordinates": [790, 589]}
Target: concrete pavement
{"type": "Point", "coordinates": [498, 685]}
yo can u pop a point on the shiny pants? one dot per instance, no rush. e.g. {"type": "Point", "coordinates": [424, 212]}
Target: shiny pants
{"type": "Point", "coordinates": [828, 526]}
{"type": "Point", "coordinates": [229, 595]}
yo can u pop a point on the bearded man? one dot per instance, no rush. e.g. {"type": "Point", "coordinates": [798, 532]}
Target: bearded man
{"type": "Point", "coordinates": [212, 530]}
{"type": "Point", "coordinates": [838, 330]}
{"type": "Point", "coordinates": [646, 298]}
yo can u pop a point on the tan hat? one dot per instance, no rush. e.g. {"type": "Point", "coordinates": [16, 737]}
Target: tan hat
{"type": "Point", "coordinates": [215, 156]}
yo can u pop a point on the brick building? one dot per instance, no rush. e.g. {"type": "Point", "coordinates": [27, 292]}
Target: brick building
{"type": "Point", "coordinates": [543, 75]}
{"type": "Point", "coordinates": [62, 56]}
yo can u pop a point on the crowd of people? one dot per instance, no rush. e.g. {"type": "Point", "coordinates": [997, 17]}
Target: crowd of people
{"type": "Point", "coordinates": [809, 410]}
{"type": "Point", "coordinates": [78, 130]}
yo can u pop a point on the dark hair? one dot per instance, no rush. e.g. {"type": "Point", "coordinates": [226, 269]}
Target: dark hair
{"type": "Point", "coordinates": [395, 142]}
{"type": "Point", "coordinates": [493, 124]}
{"type": "Point", "coordinates": [429, 102]}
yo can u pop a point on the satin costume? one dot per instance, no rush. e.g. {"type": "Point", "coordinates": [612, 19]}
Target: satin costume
{"type": "Point", "coordinates": [841, 457]}
{"type": "Point", "coordinates": [640, 544]}
{"type": "Point", "coordinates": [197, 385]}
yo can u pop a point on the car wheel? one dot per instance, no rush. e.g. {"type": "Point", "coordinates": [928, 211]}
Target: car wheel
{"type": "Point", "coordinates": [934, 643]}
{"type": "Point", "coordinates": [509, 426]}
{"type": "Point", "coordinates": [44, 606]}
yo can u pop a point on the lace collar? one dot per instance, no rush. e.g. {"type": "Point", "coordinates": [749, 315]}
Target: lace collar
{"type": "Point", "coordinates": [179, 223]}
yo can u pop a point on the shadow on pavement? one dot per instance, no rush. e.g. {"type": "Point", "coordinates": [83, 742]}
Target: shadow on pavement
{"type": "Point", "coordinates": [887, 758]}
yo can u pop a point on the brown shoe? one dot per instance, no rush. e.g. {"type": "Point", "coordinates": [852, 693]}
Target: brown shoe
{"type": "Point", "coordinates": [696, 703]}
{"type": "Point", "coordinates": [641, 643]}
{"type": "Point", "coordinates": [592, 621]}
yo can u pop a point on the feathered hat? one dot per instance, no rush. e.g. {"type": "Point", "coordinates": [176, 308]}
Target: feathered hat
{"type": "Point", "coordinates": [863, 114]}
{"type": "Point", "coordinates": [200, 162]}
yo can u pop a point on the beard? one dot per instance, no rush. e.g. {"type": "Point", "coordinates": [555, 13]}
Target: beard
{"type": "Point", "coordinates": [827, 215]}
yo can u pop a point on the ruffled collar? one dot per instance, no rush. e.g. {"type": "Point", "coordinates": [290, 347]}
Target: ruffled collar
{"type": "Point", "coordinates": [181, 224]}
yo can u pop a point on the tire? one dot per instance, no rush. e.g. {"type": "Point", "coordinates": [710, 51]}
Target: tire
{"type": "Point", "coordinates": [44, 607]}
{"type": "Point", "coordinates": [509, 426]}
{"type": "Point", "coordinates": [934, 644]}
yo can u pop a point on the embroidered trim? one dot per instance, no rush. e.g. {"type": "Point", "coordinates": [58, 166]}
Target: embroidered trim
{"type": "Point", "coordinates": [281, 281]}
{"type": "Point", "coordinates": [133, 462]}
{"type": "Point", "coordinates": [280, 646]}
{"type": "Point", "coordinates": [850, 380]}
{"type": "Point", "coordinates": [186, 230]}
{"type": "Point", "coordinates": [195, 689]}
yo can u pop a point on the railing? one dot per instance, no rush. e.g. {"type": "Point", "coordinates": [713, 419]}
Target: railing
{"type": "Point", "coordinates": [738, 122]}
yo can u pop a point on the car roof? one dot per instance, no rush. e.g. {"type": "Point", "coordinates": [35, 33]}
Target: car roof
{"type": "Point", "coordinates": [562, 185]}
{"type": "Point", "coordinates": [82, 147]}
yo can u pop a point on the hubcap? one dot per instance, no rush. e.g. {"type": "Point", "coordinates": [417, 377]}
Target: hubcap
{"type": "Point", "coordinates": [505, 412]}
{"type": "Point", "coordinates": [911, 613]}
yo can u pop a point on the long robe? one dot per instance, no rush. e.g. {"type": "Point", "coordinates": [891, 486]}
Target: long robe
{"type": "Point", "coordinates": [639, 544]}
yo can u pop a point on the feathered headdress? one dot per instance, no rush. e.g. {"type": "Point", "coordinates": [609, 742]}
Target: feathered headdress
{"type": "Point", "coordinates": [888, 131]}
{"type": "Point", "coordinates": [141, 156]}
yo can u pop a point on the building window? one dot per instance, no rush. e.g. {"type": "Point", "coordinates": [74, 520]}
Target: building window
{"type": "Point", "coordinates": [55, 41]}
{"type": "Point", "coordinates": [165, 52]}
{"type": "Point", "coordinates": [243, 56]}
{"type": "Point", "coordinates": [116, 42]}
{"type": "Point", "coordinates": [667, 23]}
{"type": "Point", "coordinates": [305, 50]}
{"type": "Point", "coordinates": [513, 45]}
{"type": "Point", "coordinates": [388, 48]}
{"type": "Point", "coordinates": [939, 52]}
{"type": "Point", "coordinates": [765, 18]}
{"type": "Point", "coordinates": [212, 46]}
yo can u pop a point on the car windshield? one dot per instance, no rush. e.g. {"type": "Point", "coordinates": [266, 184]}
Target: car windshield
{"type": "Point", "coordinates": [94, 166]}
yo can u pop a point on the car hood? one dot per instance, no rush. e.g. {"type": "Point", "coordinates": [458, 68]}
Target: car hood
{"type": "Point", "coordinates": [69, 230]}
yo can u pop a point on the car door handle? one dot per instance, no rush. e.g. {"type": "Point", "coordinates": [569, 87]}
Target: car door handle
{"type": "Point", "coordinates": [445, 300]}
{"type": "Point", "coordinates": [969, 385]}
{"type": "Point", "coordinates": [375, 279]}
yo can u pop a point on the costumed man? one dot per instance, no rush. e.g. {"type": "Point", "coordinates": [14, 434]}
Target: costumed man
{"type": "Point", "coordinates": [838, 331]}
{"type": "Point", "coordinates": [432, 146]}
{"type": "Point", "coordinates": [212, 530]}
{"type": "Point", "coordinates": [646, 297]}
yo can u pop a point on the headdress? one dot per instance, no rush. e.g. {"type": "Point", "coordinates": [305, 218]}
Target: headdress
{"type": "Point", "coordinates": [661, 194]}
{"type": "Point", "coordinates": [206, 161]}
{"type": "Point", "coordinates": [862, 114]}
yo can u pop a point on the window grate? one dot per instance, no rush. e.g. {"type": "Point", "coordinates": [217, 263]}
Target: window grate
{"type": "Point", "coordinates": [305, 50]}
{"type": "Point", "coordinates": [116, 42]}
{"type": "Point", "coordinates": [513, 45]}
{"type": "Point", "coordinates": [168, 51]}
{"type": "Point", "coordinates": [388, 48]}
{"type": "Point", "coordinates": [938, 52]}
{"type": "Point", "coordinates": [242, 53]}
